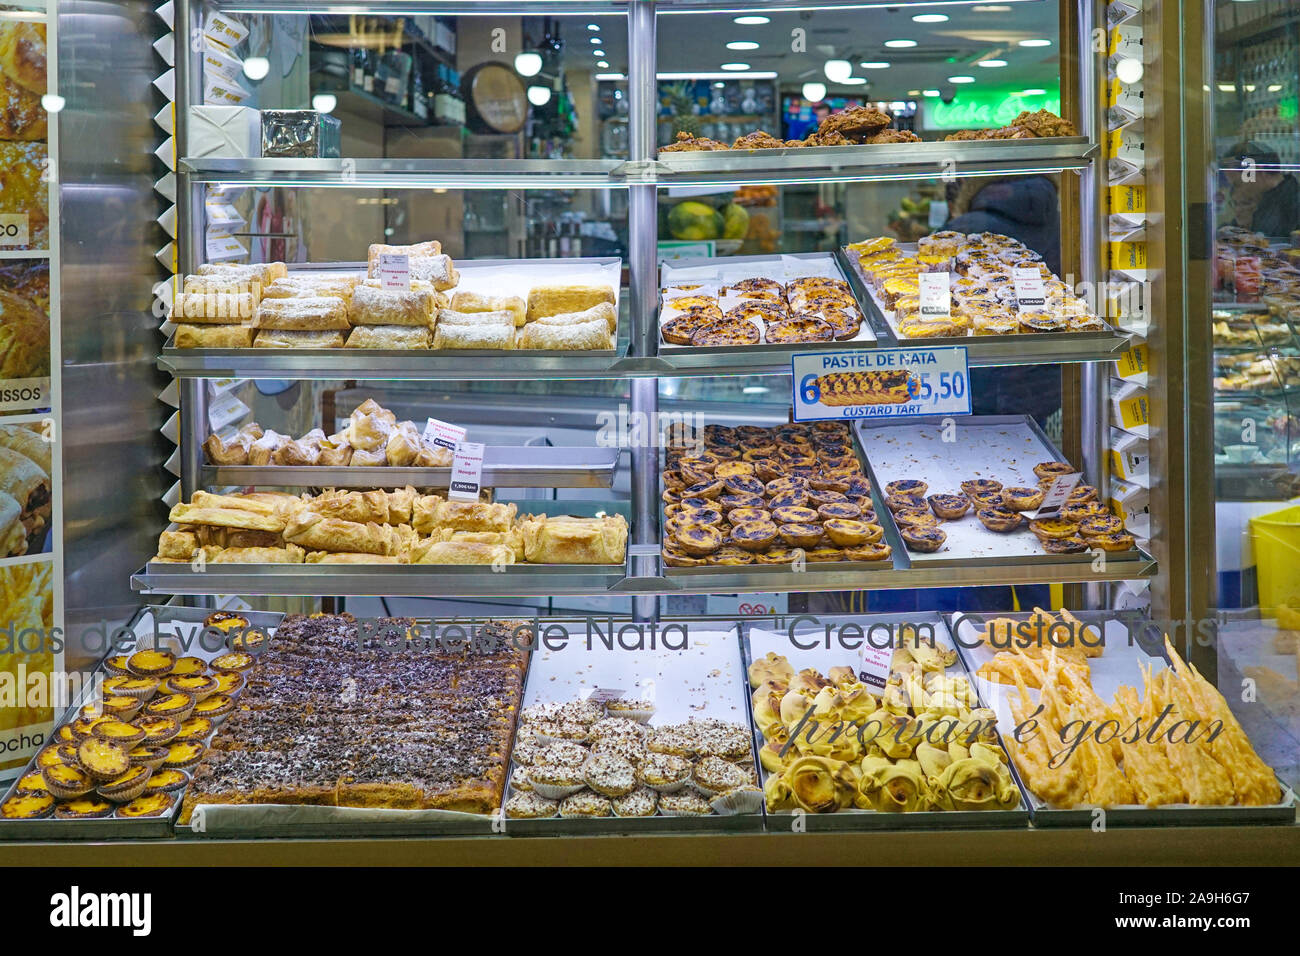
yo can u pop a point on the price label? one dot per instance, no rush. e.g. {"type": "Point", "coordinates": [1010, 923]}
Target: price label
{"type": "Point", "coordinates": [936, 295]}
{"type": "Point", "coordinates": [603, 695]}
{"type": "Point", "coordinates": [873, 665]}
{"type": "Point", "coordinates": [443, 435]}
{"type": "Point", "coordinates": [13, 229]}
{"type": "Point", "coordinates": [881, 383]}
{"type": "Point", "coordinates": [1056, 496]}
{"type": "Point", "coordinates": [466, 472]}
{"type": "Point", "coordinates": [1030, 294]}
{"type": "Point", "coordinates": [394, 272]}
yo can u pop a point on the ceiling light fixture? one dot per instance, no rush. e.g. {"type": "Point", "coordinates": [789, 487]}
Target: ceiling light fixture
{"type": "Point", "coordinates": [256, 67]}
{"type": "Point", "coordinates": [900, 44]}
{"type": "Point", "coordinates": [854, 81]}
{"type": "Point", "coordinates": [1034, 92]}
{"type": "Point", "coordinates": [539, 95]}
{"type": "Point", "coordinates": [837, 71]}
{"type": "Point", "coordinates": [528, 63]}
{"type": "Point", "coordinates": [752, 21]}
{"type": "Point", "coordinates": [603, 64]}
{"type": "Point", "coordinates": [1035, 43]}
{"type": "Point", "coordinates": [814, 92]}
{"type": "Point", "coordinates": [875, 65]}
{"type": "Point", "coordinates": [594, 27]}
{"type": "Point", "coordinates": [324, 102]}
{"type": "Point", "coordinates": [735, 67]}
{"type": "Point", "coordinates": [930, 18]}
{"type": "Point", "coordinates": [598, 53]}
{"type": "Point", "coordinates": [595, 40]}
{"type": "Point", "coordinates": [931, 93]}
{"type": "Point", "coordinates": [992, 64]}
{"type": "Point", "coordinates": [1128, 70]}
{"type": "Point", "coordinates": [961, 79]}
{"type": "Point", "coordinates": [742, 45]}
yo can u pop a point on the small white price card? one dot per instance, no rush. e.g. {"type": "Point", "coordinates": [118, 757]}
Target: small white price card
{"type": "Point", "coordinates": [442, 434]}
{"type": "Point", "coordinates": [936, 295]}
{"type": "Point", "coordinates": [881, 383]}
{"type": "Point", "coordinates": [1030, 294]}
{"type": "Point", "coordinates": [466, 472]}
{"type": "Point", "coordinates": [873, 664]}
{"type": "Point", "coordinates": [394, 272]}
{"type": "Point", "coordinates": [13, 229]}
{"type": "Point", "coordinates": [1057, 495]}
{"type": "Point", "coordinates": [603, 695]}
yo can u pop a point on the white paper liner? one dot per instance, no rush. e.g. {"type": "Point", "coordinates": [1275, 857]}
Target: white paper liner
{"type": "Point", "coordinates": [737, 801]}
{"type": "Point", "coordinates": [555, 791]}
{"type": "Point", "coordinates": [252, 817]}
{"type": "Point", "coordinates": [667, 787]}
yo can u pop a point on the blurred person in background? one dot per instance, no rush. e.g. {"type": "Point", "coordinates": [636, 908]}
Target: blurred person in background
{"type": "Point", "coordinates": [1262, 200]}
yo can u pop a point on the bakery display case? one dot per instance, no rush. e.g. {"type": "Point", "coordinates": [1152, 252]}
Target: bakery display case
{"type": "Point", "coordinates": [366, 404]}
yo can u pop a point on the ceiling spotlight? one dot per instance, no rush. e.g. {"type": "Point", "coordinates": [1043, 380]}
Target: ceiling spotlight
{"type": "Point", "coordinates": [875, 65]}
{"type": "Point", "coordinates": [593, 27]}
{"type": "Point", "coordinates": [595, 40]}
{"type": "Point", "coordinates": [990, 64]}
{"type": "Point", "coordinates": [837, 71]}
{"type": "Point", "coordinates": [814, 92]}
{"type": "Point", "coordinates": [324, 102]}
{"type": "Point", "coordinates": [930, 18]}
{"type": "Point", "coordinates": [53, 102]}
{"type": "Point", "coordinates": [539, 95]}
{"type": "Point", "coordinates": [528, 63]}
{"type": "Point", "coordinates": [931, 93]}
{"type": "Point", "coordinates": [752, 21]}
{"type": "Point", "coordinates": [256, 67]}
{"type": "Point", "coordinates": [1227, 88]}
{"type": "Point", "coordinates": [900, 44]}
{"type": "Point", "coordinates": [854, 81]}
{"type": "Point", "coordinates": [1128, 70]}
{"type": "Point", "coordinates": [742, 45]}
{"type": "Point", "coordinates": [1032, 92]}
{"type": "Point", "coordinates": [1035, 43]}
{"type": "Point", "coordinates": [735, 67]}
{"type": "Point", "coordinates": [603, 64]}
{"type": "Point", "coordinates": [961, 79]}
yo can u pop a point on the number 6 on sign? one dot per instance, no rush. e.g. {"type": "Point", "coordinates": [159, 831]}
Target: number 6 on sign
{"type": "Point", "coordinates": [810, 390]}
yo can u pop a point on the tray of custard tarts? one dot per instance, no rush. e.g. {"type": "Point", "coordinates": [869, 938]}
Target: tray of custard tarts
{"type": "Point", "coordinates": [970, 494]}
{"type": "Point", "coordinates": [781, 499]}
{"type": "Point", "coordinates": [119, 760]}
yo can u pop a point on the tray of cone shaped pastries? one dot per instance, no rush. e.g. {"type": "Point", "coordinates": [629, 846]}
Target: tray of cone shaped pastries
{"type": "Point", "coordinates": [790, 498]}
{"type": "Point", "coordinates": [24, 130]}
{"type": "Point", "coordinates": [628, 730]}
{"type": "Point", "coordinates": [1124, 723]}
{"type": "Point", "coordinates": [122, 756]}
{"type": "Point", "coordinates": [834, 745]}
{"type": "Point", "coordinates": [558, 306]}
{"type": "Point", "coordinates": [981, 269]}
{"type": "Point", "coordinates": [972, 495]}
{"type": "Point", "coordinates": [710, 306]}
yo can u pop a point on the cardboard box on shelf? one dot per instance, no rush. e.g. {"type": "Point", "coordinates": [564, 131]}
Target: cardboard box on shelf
{"type": "Point", "coordinates": [225, 131]}
{"type": "Point", "coordinates": [1130, 407]}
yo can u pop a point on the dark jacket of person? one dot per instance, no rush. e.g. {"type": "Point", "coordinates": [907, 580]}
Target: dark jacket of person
{"type": "Point", "coordinates": [1278, 211]}
{"type": "Point", "coordinates": [1022, 207]}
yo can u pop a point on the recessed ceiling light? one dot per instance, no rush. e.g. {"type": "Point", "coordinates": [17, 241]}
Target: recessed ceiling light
{"type": "Point", "coordinates": [930, 18]}
{"type": "Point", "coordinates": [991, 8]}
{"type": "Point", "coordinates": [875, 65]}
{"type": "Point", "coordinates": [961, 79]}
{"type": "Point", "coordinates": [528, 63]}
{"type": "Point", "coordinates": [991, 64]}
{"type": "Point", "coordinates": [1032, 92]}
{"type": "Point", "coordinates": [594, 27]}
{"type": "Point", "coordinates": [1227, 88]}
{"type": "Point", "coordinates": [752, 21]}
{"type": "Point", "coordinates": [610, 76]}
{"type": "Point", "coordinates": [539, 95]}
{"type": "Point", "coordinates": [256, 67]}
{"type": "Point", "coordinates": [735, 66]}
{"type": "Point", "coordinates": [595, 40]}
{"type": "Point", "coordinates": [719, 85]}
{"type": "Point", "coordinates": [837, 71]}
{"type": "Point", "coordinates": [1274, 87]}
{"type": "Point", "coordinates": [913, 92]}
{"type": "Point", "coordinates": [742, 45]}
{"type": "Point", "coordinates": [900, 44]}
{"type": "Point", "coordinates": [854, 81]}
{"type": "Point", "coordinates": [931, 93]}
{"type": "Point", "coordinates": [1035, 43]}
{"type": "Point", "coordinates": [598, 53]}
{"type": "Point", "coordinates": [814, 92]}
{"type": "Point", "coordinates": [603, 64]}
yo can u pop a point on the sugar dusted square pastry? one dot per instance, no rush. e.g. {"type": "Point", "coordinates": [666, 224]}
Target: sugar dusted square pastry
{"type": "Point", "coordinates": [388, 337]}
{"type": "Point", "coordinates": [214, 336]}
{"type": "Point", "coordinates": [584, 336]}
{"type": "Point", "coordinates": [371, 306]}
{"type": "Point", "coordinates": [438, 270]}
{"type": "Point", "coordinates": [553, 299]}
{"type": "Point", "coordinates": [222, 308]}
{"type": "Point", "coordinates": [307, 314]}
{"type": "Point", "coordinates": [463, 552]}
{"type": "Point", "coordinates": [288, 339]}
{"type": "Point", "coordinates": [604, 311]}
{"type": "Point", "coordinates": [475, 302]}
{"type": "Point", "coordinates": [492, 336]}
{"type": "Point", "coordinates": [419, 249]}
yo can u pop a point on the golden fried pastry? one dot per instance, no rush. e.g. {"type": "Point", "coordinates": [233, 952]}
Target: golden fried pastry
{"type": "Point", "coordinates": [1114, 541]}
{"type": "Point", "coordinates": [801, 535]}
{"type": "Point", "coordinates": [1053, 469]}
{"type": "Point", "coordinates": [873, 551]}
{"type": "Point", "coordinates": [1053, 528]}
{"type": "Point", "coordinates": [688, 142]}
{"type": "Point", "coordinates": [926, 540]}
{"type": "Point", "coordinates": [1002, 520]}
{"type": "Point", "coordinates": [949, 507]}
{"type": "Point", "coordinates": [1022, 499]}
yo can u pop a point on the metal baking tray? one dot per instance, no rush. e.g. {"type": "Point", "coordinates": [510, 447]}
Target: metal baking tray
{"type": "Point", "coordinates": [142, 622]}
{"type": "Point", "coordinates": [690, 356]}
{"type": "Point", "coordinates": [1002, 447]}
{"type": "Point", "coordinates": [1118, 665]}
{"type": "Point", "coordinates": [1098, 346]}
{"type": "Point", "coordinates": [781, 576]}
{"type": "Point", "coordinates": [504, 466]}
{"type": "Point", "coordinates": [758, 640]}
{"type": "Point", "coordinates": [706, 679]}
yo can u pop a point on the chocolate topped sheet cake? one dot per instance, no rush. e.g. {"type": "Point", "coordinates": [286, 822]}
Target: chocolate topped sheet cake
{"type": "Point", "coordinates": [326, 721]}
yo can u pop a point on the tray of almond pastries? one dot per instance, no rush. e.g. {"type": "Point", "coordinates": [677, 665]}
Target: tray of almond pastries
{"type": "Point", "coordinates": [711, 306]}
{"type": "Point", "coordinates": [971, 494]}
{"type": "Point", "coordinates": [790, 497]}
{"type": "Point", "coordinates": [121, 757]}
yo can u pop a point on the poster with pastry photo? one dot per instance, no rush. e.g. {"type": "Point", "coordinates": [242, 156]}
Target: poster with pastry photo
{"type": "Point", "coordinates": [29, 661]}
{"type": "Point", "coordinates": [24, 335]}
{"type": "Point", "coordinates": [24, 135]}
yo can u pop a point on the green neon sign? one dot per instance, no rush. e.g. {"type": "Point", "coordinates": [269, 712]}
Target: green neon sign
{"type": "Point", "coordinates": [985, 108]}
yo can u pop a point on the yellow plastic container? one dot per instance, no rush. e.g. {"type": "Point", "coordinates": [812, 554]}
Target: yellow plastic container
{"type": "Point", "coordinates": [1276, 538]}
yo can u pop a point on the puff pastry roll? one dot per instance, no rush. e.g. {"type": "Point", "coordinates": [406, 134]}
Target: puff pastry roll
{"type": "Point", "coordinates": [263, 450]}
{"type": "Point", "coordinates": [31, 444]}
{"type": "Point", "coordinates": [360, 506]}
{"type": "Point", "coordinates": [463, 552]}
{"type": "Point", "coordinates": [371, 306]}
{"type": "Point", "coordinates": [422, 510]}
{"type": "Point", "coordinates": [473, 516]}
{"type": "Point", "coordinates": [347, 557]}
{"type": "Point", "coordinates": [264, 272]}
{"type": "Point", "coordinates": [225, 518]}
{"type": "Point", "coordinates": [554, 299]}
{"type": "Point", "coordinates": [570, 540]}
{"type": "Point", "coordinates": [289, 554]}
{"type": "Point", "coordinates": [604, 311]}
{"type": "Point", "coordinates": [452, 336]}
{"type": "Point", "coordinates": [389, 337]}
{"type": "Point", "coordinates": [368, 458]}
{"type": "Point", "coordinates": [177, 544]}
{"type": "Point", "coordinates": [233, 452]}
{"type": "Point", "coordinates": [288, 339]}
{"type": "Point", "coordinates": [300, 451]}
{"type": "Point", "coordinates": [222, 308]}
{"type": "Point", "coordinates": [369, 426]}
{"type": "Point", "coordinates": [237, 538]}
{"type": "Point", "coordinates": [433, 456]}
{"type": "Point", "coordinates": [419, 249]}
{"type": "Point", "coordinates": [309, 530]}
{"type": "Point", "coordinates": [438, 270]}
{"type": "Point", "coordinates": [498, 317]}
{"type": "Point", "coordinates": [334, 452]}
{"type": "Point", "coordinates": [213, 336]}
{"type": "Point", "coordinates": [310, 314]}
{"type": "Point", "coordinates": [236, 284]}
{"type": "Point", "coordinates": [401, 504]}
{"type": "Point", "coordinates": [28, 483]}
{"type": "Point", "coordinates": [512, 539]}
{"type": "Point", "coordinates": [475, 302]}
{"type": "Point", "coordinates": [304, 286]}
{"type": "Point", "coordinates": [580, 336]}
{"type": "Point", "coordinates": [403, 445]}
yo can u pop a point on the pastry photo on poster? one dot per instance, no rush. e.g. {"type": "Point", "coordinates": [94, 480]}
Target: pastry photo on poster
{"type": "Point", "coordinates": [30, 661]}
{"type": "Point", "coordinates": [24, 136]}
{"type": "Point", "coordinates": [24, 334]}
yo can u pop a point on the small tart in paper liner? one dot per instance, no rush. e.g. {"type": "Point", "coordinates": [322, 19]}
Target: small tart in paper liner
{"type": "Point", "coordinates": [743, 799]}
{"type": "Point", "coordinates": [684, 803]}
{"type": "Point", "coordinates": [530, 806]}
{"type": "Point", "coordinates": [641, 802]}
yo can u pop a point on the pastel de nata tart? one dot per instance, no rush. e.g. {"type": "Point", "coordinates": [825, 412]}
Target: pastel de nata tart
{"type": "Point", "coordinates": [1022, 499]}
{"type": "Point", "coordinates": [909, 487]}
{"type": "Point", "coordinates": [847, 532]}
{"type": "Point", "coordinates": [778, 554]}
{"type": "Point", "coordinates": [141, 688]}
{"type": "Point", "coordinates": [214, 707]}
{"type": "Point", "coordinates": [27, 806]}
{"type": "Point", "coordinates": [1001, 520]}
{"type": "Point", "coordinates": [846, 510]}
{"type": "Point", "coordinates": [234, 661]}
{"type": "Point", "coordinates": [83, 808]}
{"type": "Point", "coordinates": [64, 735]}
{"type": "Point", "coordinates": [1049, 528]}
{"type": "Point", "coordinates": [249, 640]}
{"type": "Point", "coordinates": [197, 686]}
{"type": "Point", "coordinates": [188, 666]}
{"type": "Point", "coordinates": [981, 486]}
{"type": "Point", "coordinates": [117, 664]}
{"type": "Point", "coordinates": [51, 757]}
{"type": "Point", "coordinates": [875, 551]}
{"type": "Point", "coordinates": [1071, 545]}
{"type": "Point", "coordinates": [229, 683]}
{"type": "Point", "coordinates": [915, 518]}
{"type": "Point", "coordinates": [84, 726]}
{"type": "Point", "coordinates": [182, 754]}
{"type": "Point", "coordinates": [127, 787]}
{"type": "Point", "coordinates": [148, 756]}
{"type": "Point", "coordinates": [754, 535]}
{"type": "Point", "coordinates": [68, 754]}
{"type": "Point", "coordinates": [1053, 469]}
{"type": "Point", "coordinates": [193, 728]}
{"type": "Point", "coordinates": [31, 782]}
{"type": "Point", "coordinates": [158, 730]}
{"type": "Point", "coordinates": [151, 663]}
{"type": "Point", "coordinates": [949, 507]}
{"type": "Point", "coordinates": [225, 620]}
{"type": "Point", "coordinates": [119, 732]}
{"type": "Point", "coordinates": [1114, 541]}
{"type": "Point", "coordinates": [801, 535]}
{"type": "Point", "coordinates": [823, 554]}
{"type": "Point", "coordinates": [179, 706]}
{"type": "Point", "coordinates": [101, 759]}
{"type": "Point", "coordinates": [122, 706]}
{"type": "Point", "coordinates": [729, 555]}
{"type": "Point", "coordinates": [149, 805]}
{"type": "Point", "coordinates": [925, 540]}
{"type": "Point", "coordinates": [166, 781]}
{"type": "Point", "coordinates": [1095, 525]}
{"type": "Point", "coordinates": [67, 782]}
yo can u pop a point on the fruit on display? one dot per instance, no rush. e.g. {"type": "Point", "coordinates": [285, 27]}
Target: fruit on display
{"type": "Point", "coordinates": [695, 221]}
